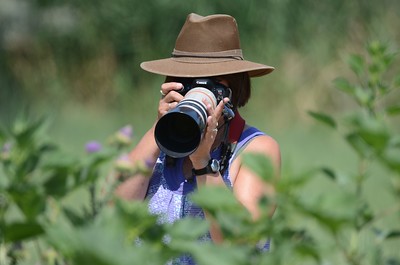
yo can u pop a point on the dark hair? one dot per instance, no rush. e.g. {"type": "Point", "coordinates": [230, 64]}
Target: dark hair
{"type": "Point", "coordinates": [239, 83]}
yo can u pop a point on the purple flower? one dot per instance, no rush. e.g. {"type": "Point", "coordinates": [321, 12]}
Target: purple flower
{"type": "Point", "coordinates": [93, 147]}
{"type": "Point", "coordinates": [124, 135]}
{"type": "Point", "coordinates": [126, 131]}
{"type": "Point", "coordinates": [6, 147]}
{"type": "Point", "coordinates": [5, 151]}
{"type": "Point", "coordinates": [124, 164]}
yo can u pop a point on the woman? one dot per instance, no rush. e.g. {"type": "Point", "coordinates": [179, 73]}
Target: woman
{"type": "Point", "coordinates": [207, 47]}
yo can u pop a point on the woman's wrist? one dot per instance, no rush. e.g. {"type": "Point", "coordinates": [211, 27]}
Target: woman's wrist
{"type": "Point", "coordinates": [199, 163]}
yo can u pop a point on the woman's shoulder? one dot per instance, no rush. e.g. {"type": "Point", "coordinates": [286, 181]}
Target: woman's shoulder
{"type": "Point", "coordinates": [255, 141]}
{"type": "Point", "coordinates": [262, 143]}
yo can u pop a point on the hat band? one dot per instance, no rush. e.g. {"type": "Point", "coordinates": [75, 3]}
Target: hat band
{"type": "Point", "coordinates": [232, 54]}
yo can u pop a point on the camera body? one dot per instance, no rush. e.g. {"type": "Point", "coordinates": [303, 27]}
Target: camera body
{"type": "Point", "coordinates": [219, 90]}
{"type": "Point", "coordinates": [179, 132]}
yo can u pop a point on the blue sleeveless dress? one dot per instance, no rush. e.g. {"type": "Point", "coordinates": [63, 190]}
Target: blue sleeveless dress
{"type": "Point", "coordinates": [168, 189]}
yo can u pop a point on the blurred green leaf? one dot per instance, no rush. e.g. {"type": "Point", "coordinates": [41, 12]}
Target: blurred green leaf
{"type": "Point", "coordinates": [391, 158]}
{"type": "Point", "coordinates": [383, 234]}
{"type": "Point", "coordinates": [25, 131]}
{"type": "Point", "coordinates": [376, 48]}
{"type": "Point", "coordinates": [308, 249]}
{"type": "Point", "coordinates": [29, 199]}
{"type": "Point", "coordinates": [356, 63]}
{"type": "Point", "coordinates": [188, 229]}
{"type": "Point", "coordinates": [328, 220]}
{"type": "Point", "coordinates": [212, 254]}
{"type": "Point", "coordinates": [359, 145]}
{"type": "Point", "coordinates": [21, 231]}
{"type": "Point", "coordinates": [372, 130]}
{"type": "Point", "coordinates": [75, 218]}
{"type": "Point", "coordinates": [2, 136]}
{"type": "Point", "coordinates": [98, 244]}
{"type": "Point", "coordinates": [329, 172]}
{"type": "Point", "coordinates": [324, 118]}
{"type": "Point", "coordinates": [375, 134]}
{"type": "Point", "coordinates": [344, 85]}
{"type": "Point", "coordinates": [135, 219]}
{"type": "Point", "coordinates": [364, 215]}
{"type": "Point", "coordinates": [259, 164]}
{"type": "Point", "coordinates": [395, 234]}
{"type": "Point", "coordinates": [387, 59]}
{"type": "Point", "coordinates": [234, 226]}
{"type": "Point", "coordinates": [396, 81]}
{"type": "Point", "coordinates": [57, 184]}
{"type": "Point", "coordinates": [392, 261]}
{"type": "Point", "coordinates": [217, 199]}
{"type": "Point", "coordinates": [393, 110]}
{"type": "Point", "coordinates": [363, 96]}
{"type": "Point", "coordinates": [374, 70]}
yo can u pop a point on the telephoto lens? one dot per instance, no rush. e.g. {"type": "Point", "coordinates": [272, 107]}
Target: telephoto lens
{"type": "Point", "coordinates": [179, 132]}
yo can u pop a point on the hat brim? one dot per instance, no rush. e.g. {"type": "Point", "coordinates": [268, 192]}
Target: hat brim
{"type": "Point", "coordinates": [195, 67]}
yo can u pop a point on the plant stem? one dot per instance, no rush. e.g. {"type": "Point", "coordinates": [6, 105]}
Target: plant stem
{"type": "Point", "coordinates": [92, 191]}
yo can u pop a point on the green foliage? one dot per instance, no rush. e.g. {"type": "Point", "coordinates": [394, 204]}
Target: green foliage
{"type": "Point", "coordinates": [373, 137]}
{"type": "Point", "coordinates": [39, 225]}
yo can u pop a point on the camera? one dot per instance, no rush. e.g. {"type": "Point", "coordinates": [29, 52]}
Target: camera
{"type": "Point", "coordinates": [179, 132]}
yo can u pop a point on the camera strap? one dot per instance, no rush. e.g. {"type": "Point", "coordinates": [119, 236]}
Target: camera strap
{"type": "Point", "coordinates": [236, 127]}
{"type": "Point", "coordinates": [234, 131]}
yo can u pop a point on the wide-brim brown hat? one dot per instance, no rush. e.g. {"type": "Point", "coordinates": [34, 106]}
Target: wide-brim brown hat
{"type": "Point", "coordinates": [207, 46]}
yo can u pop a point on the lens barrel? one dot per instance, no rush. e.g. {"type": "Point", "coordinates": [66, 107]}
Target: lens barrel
{"type": "Point", "coordinates": [179, 132]}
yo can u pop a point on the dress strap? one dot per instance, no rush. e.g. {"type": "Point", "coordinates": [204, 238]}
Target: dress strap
{"type": "Point", "coordinates": [247, 135]}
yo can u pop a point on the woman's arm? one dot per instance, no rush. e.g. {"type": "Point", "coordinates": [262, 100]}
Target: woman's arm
{"type": "Point", "coordinates": [247, 186]}
{"type": "Point", "coordinates": [146, 151]}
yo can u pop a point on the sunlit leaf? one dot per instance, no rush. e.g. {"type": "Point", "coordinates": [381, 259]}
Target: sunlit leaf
{"type": "Point", "coordinates": [324, 118]}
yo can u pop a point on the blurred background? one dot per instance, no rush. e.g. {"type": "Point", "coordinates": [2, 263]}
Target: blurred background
{"type": "Point", "coordinates": [77, 63]}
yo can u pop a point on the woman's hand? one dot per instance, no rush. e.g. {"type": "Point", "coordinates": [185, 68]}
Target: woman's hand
{"type": "Point", "coordinates": [201, 156]}
{"type": "Point", "coordinates": [170, 97]}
